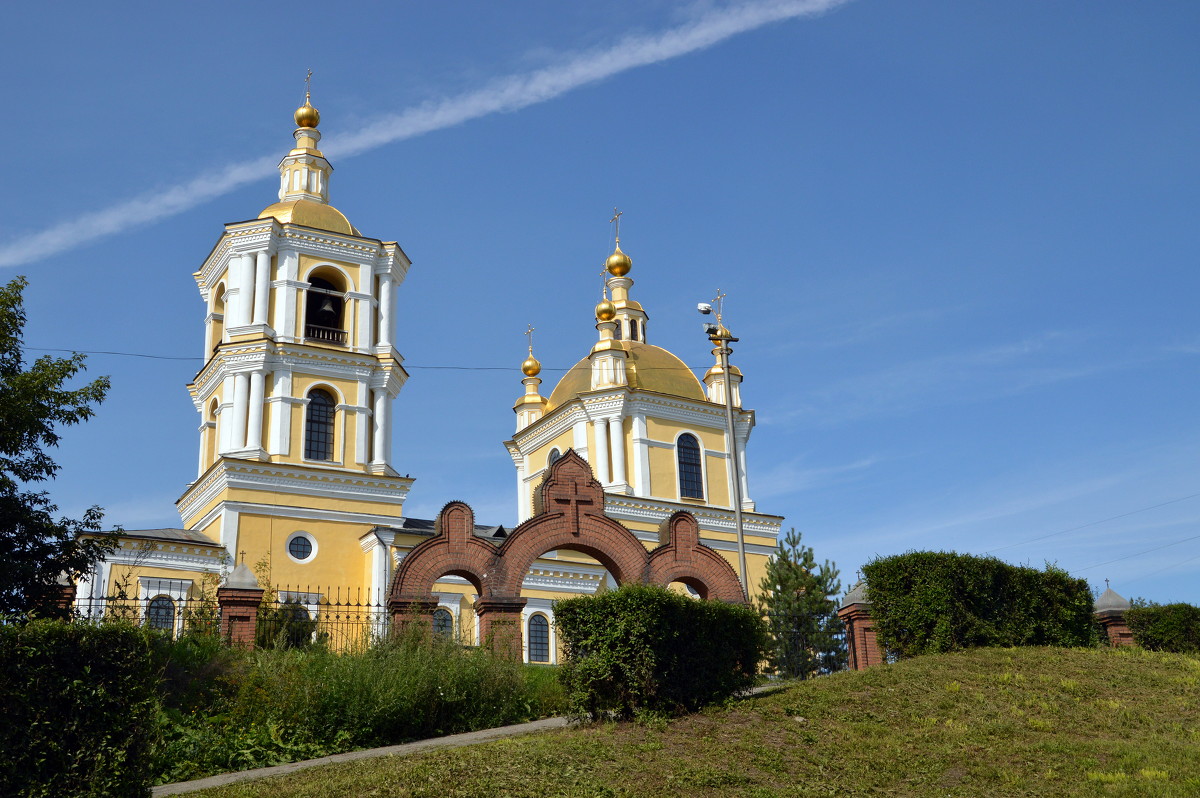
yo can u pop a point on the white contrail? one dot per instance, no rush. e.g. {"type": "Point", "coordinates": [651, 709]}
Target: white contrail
{"type": "Point", "coordinates": [511, 93]}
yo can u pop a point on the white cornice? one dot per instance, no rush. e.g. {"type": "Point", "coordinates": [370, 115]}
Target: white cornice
{"type": "Point", "coordinates": [713, 519]}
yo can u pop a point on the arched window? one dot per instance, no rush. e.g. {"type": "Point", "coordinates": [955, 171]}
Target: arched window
{"type": "Point", "coordinates": [553, 457]}
{"type": "Point", "coordinates": [161, 613]}
{"type": "Point", "coordinates": [443, 622]}
{"type": "Point", "coordinates": [691, 475]}
{"type": "Point", "coordinates": [323, 305]}
{"type": "Point", "coordinates": [318, 426]}
{"type": "Point", "coordinates": [539, 639]}
{"type": "Point", "coordinates": [633, 330]}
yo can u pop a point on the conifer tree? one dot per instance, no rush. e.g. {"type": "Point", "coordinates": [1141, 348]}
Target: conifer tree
{"type": "Point", "coordinates": [799, 600]}
{"type": "Point", "coordinates": [36, 549]}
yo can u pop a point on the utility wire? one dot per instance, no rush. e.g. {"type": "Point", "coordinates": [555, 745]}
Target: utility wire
{"type": "Point", "coordinates": [1139, 554]}
{"type": "Point", "coordinates": [1092, 523]}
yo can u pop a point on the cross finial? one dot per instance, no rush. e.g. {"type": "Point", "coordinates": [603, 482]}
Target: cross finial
{"type": "Point", "coordinates": [1106, 587]}
{"type": "Point", "coordinates": [604, 283]}
{"type": "Point", "coordinates": [308, 86]}
{"type": "Point", "coordinates": [243, 556]}
{"type": "Point", "coordinates": [529, 335]}
{"type": "Point", "coordinates": [719, 301]}
{"type": "Point", "coordinates": [616, 220]}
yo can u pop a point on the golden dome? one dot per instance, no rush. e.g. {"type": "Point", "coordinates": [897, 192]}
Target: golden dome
{"type": "Point", "coordinates": [618, 263]}
{"type": "Point", "coordinates": [605, 310]}
{"type": "Point", "coordinates": [307, 116]}
{"type": "Point", "coordinates": [717, 371]}
{"type": "Point", "coordinates": [531, 367]}
{"type": "Point", "coordinates": [647, 367]}
{"type": "Point", "coordinates": [308, 213]}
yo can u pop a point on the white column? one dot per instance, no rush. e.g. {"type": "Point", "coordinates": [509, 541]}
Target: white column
{"type": "Point", "coordinates": [641, 457]}
{"type": "Point", "coordinates": [206, 429]}
{"type": "Point", "coordinates": [362, 422]}
{"type": "Point", "coordinates": [225, 416]}
{"type": "Point", "coordinates": [387, 428]}
{"type": "Point", "coordinates": [262, 286]}
{"type": "Point", "coordinates": [742, 466]}
{"type": "Point", "coordinates": [523, 512]}
{"type": "Point", "coordinates": [288, 272]}
{"type": "Point", "coordinates": [381, 428]}
{"type": "Point", "coordinates": [617, 436]}
{"type": "Point", "coordinates": [245, 283]}
{"type": "Point", "coordinates": [600, 426]}
{"type": "Point", "coordinates": [385, 310]}
{"type": "Point", "coordinates": [362, 309]}
{"type": "Point", "coordinates": [254, 424]}
{"type": "Point", "coordinates": [237, 436]}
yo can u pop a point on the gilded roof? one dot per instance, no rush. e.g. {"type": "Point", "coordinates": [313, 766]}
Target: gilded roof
{"type": "Point", "coordinates": [648, 368]}
{"type": "Point", "coordinates": [308, 213]}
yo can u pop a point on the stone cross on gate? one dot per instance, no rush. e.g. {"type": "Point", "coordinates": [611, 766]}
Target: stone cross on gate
{"type": "Point", "coordinates": [575, 499]}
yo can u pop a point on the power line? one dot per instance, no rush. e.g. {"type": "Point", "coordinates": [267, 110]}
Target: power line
{"type": "Point", "coordinates": [1139, 554]}
{"type": "Point", "coordinates": [1093, 523]}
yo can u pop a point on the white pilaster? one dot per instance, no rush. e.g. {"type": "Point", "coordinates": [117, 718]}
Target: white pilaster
{"type": "Point", "coordinates": [225, 416]}
{"type": "Point", "coordinates": [362, 309]}
{"type": "Point", "coordinates": [362, 423]}
{"type": "Point", "coordinates": [641, 457]}
{"type": "Point", "coordinates": [579, 440]}
{"type": "Point", "coordinates": [286, 289]}
{"type": "Point", "coordinates": [600, 427]}
{"type": "Point", "coordinates": [617, 438]}
{"type": "Point", "coordinates": [524, 498]}
{"type": "Point", "coordinates": [279, 439]}
{"type": "Point", "coordinates": [245, 282]}
{"type": "Point", "coordinates": [380, 417]}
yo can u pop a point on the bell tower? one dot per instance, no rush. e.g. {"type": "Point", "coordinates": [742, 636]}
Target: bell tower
{"type": "Point", "coordinates": [296, 393]}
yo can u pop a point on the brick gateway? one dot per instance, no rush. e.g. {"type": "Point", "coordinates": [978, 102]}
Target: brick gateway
{"type": "Point", "coordinates": [569, 515]}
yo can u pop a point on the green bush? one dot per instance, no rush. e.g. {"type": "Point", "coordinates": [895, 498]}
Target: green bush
{"type": "Point", "coordinates": [79, 709]}
{"type": "Point", "coordinates": [645, 649]}
{"type": "Point", "coordinates": [1165, 627]}
{"type": "Point", "coordinates": [281, 705]}
{"type": "Point", "coordinates": [926, 602]}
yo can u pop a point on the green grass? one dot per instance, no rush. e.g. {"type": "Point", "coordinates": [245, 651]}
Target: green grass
{"type": "Point", "coordinates": [988, 722]}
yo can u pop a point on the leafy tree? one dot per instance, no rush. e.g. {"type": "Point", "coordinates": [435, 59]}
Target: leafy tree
{"type": "Point", "coordinates": [799, 599]}
{"type": "Point", "coordinates": [35, 549]}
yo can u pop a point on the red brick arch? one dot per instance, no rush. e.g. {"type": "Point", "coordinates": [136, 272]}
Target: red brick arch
{"type": "Point", "coordinates": [570, 515]}
{"type": "Point", "coordinates": [683, 558]}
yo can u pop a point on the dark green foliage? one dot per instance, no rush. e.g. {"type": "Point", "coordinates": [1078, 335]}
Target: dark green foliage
{"type": "Point", "coordinates": [35, 549]}
{"type": "Point", "coordinates": [799, 601]}
{"type": "Point", "coordinates": [79, 709]}
{"type": "Point", "coordinates": [286, 625]}
{"type": "Point", "coordinates": [645, 649]}
{"type": "Point", "coordinates": [1165, 627]}
{"type": "Point", "coordinates": [928, 602]}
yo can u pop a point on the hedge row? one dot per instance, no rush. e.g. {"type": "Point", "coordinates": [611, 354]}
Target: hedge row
{"type": "Point", "coordinates": [1165, 627]}
{"type": "Point", "coordinates": [925, 602]}
{"type": "Point", "coordinates": [79, 706]}
{"type": "Point", "coordinates": [647, 649]}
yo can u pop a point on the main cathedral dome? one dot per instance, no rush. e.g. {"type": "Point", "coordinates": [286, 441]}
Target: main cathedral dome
{"type": "Point", "coordinates": [647, 368]}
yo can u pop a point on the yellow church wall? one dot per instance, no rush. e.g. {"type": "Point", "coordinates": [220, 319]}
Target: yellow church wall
{"type": "Point", "coordinates": [338, 560]}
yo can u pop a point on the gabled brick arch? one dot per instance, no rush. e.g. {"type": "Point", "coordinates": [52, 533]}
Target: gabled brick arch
{"type": "Point", "coordinates": [683, 558]}
{"type": "Point", "coordinates": [453, 550]}
{"type": "Point", "coordinates": [570, 515]}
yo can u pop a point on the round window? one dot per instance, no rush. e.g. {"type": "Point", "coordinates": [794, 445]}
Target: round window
{"type": "Point", "coordinates": [300, 547]}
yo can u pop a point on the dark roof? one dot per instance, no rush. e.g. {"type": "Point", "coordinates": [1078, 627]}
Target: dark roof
{"type": "Point", "coordinates": [181, 535]}
{"type": "Point", "coordinates": [423, 526]}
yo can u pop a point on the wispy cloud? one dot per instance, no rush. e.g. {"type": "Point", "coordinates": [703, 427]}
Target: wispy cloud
{"type": "Point", "coordinates": [507, 94]}
{"type": "Point", "coordinates": [784, 479]}
{"type": "Point", "coordinates": [970, 375]}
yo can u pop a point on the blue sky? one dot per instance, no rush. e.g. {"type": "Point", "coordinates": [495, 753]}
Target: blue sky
{"type": "Point", "coordinates": [959, 240]}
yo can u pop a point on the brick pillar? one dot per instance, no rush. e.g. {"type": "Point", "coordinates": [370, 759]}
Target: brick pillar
{"type": "Point", "coordinates": [412, 613]}
{"type": "Point", "coordinates": [500, 625]}
{"type": "Point", "coordinates": [239, 614]}
{"type": "Point", "coordinates": [1113, 624]}
{"type": "Point", "coordinates": [64, 604]}
{"type": "Point", "coordinates": [862, 648]}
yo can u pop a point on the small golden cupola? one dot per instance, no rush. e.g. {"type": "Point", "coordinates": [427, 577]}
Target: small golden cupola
{"type": "Point", "coordinates": [532, 405]}
{"type": "Point", "coordinates": [629, 316]}
{"type": "Point", "coordinates": [304, 178]}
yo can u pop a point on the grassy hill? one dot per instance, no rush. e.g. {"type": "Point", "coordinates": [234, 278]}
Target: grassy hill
{"type": "Point", "coordinates": [990, 722]}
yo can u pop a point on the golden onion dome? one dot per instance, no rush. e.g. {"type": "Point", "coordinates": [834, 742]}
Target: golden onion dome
{"type": "Point", "coordinates": [309, 213]}
{"type": "Point", "coordinates": [605, 310]}
{"type": "Point", "coordinates": [618, 263]}
{"type": "Point", "coordinates": [307, 116]}
{"type": "Point", "coordinates": [531, 367]}
{"type": "Point", "coordinates": [647, 367]}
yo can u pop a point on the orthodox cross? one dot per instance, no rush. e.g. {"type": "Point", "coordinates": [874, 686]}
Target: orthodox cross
{"type": "Point", "coordinates": [573, 500]}
{"type": "Point", "coordinates": [719, 301]}
{"type": "Point", "coordinates": [1106, 586]}
{"type": "Point", "coordinates": [243, 556]}
{"type": "Point", "coordinates": [604, 283]}
{"type": "Point", "coordinates": [616, 220]}
{"type": "Point", "coordinates": [529, 335]}
{"type": "Point", "coordinates": [308, 86]}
